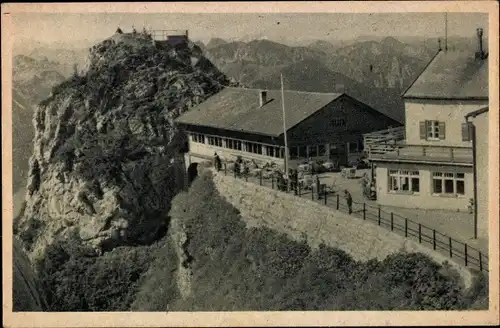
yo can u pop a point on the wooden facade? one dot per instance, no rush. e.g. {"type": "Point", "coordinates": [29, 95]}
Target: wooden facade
{"type": "Point", "coordinates": [334, 132]}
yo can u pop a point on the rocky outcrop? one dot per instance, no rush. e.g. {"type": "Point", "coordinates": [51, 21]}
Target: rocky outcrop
{"type": "Point", "coordinates": [106, 159]}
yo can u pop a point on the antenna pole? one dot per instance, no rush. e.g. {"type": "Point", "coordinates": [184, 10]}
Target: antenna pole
{"type": "Point", "coordinates": [284, 125]}
{"type": "Point", "coordinates": [445, 31]}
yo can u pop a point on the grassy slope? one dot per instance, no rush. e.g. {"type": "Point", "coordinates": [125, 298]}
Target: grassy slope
{"type": "Point", "coordinates": [235, 268]}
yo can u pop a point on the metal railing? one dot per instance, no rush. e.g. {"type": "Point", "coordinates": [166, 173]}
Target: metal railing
{"type": "Point", "coordinates": [162, 35]}
{"type": "Point", "coordinates": [328, 195]}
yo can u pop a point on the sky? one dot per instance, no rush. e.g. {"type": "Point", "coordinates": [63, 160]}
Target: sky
{"type": "Point", "coordinates": [89, 27]}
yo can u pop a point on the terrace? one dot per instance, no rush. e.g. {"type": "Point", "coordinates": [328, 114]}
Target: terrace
{"type": "Point", "coordinates": [402, 152]}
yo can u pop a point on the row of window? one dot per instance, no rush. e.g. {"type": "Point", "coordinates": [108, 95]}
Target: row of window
{"type": "Point", "coordinates": [278, 152]}
{"type": "Point", "coordinates": [436, 130]}
{"type": "Point", "coordinates": [234, 144]}
{"type": "Point", "coordinates": [443, 183]}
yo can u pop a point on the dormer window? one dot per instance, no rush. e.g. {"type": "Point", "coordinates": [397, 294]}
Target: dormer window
{"type": "Point", "coordinates": [432, 130]}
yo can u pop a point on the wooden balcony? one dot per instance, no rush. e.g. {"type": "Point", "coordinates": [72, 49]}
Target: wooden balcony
{"type": "Point", "coordinates": [402, 152]}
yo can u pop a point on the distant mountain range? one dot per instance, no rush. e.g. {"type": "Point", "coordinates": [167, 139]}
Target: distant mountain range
{"type": "Point", "coordinates": [32, 81]}
{"type": "Point", "coordinates": [374, 70]}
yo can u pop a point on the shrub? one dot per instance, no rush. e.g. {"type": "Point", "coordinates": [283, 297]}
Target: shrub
{"type": "Point", "coordinates": [75, 279]}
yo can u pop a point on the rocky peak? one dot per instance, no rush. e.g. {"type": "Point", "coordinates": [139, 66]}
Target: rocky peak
{"type": "Point", "coordinates": [106, 159]}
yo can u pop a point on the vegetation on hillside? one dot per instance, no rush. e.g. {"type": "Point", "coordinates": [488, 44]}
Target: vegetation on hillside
{"type": "Point", "coordinates": [235, 268]}
{"type": "Point", "coordinates": [74, 278]}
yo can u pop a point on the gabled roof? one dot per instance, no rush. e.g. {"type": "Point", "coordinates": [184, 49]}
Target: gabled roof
{"type": "Point", "coordinates": [452, 75]}
{"type": "Point", "coordinates": [238, 109]}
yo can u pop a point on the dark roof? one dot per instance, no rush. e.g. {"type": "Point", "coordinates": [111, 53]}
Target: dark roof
{"type": "Point", "coordinates": [452, 75]}
{"type": "Point", "coordinates": [238, 109]}
{"type": "Point", "coordinates": [477, 112]}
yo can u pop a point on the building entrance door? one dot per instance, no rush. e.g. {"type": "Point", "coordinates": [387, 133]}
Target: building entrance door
{"type": "Point", "coordinates": [338, 153]}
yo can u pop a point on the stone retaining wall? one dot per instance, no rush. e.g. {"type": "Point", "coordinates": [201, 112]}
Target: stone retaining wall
{"type": "Point", "coordinates": [301, 218]}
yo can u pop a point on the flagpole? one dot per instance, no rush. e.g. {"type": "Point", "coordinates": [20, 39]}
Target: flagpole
{"type": "Point", "coordinates": [445, 31]}
{"type": "Point", "coordinates": [284, 125]}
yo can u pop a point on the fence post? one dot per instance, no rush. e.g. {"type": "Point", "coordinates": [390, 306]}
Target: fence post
{"type": "Point", "coordinates": [364, 211]}
{"type": "Point", "coordinates": [379, 215]}
{"type": "Point", "coordinates": [419, 233]}
{"type": "Point", "coordinates": [234, 173]}
{"type": "Point", "coordinates": [260, 177]}
{"type": "Point", "coordinates": [480, 262]}
{"type": "Point", "coordinates": [392, 221]}
{"type": "Point", "coordinates": [272, 182]}
{"type": "Point", "coordinates": [465, 254]}
{"type": "Point", "coordinates": [298, 188]}
{"type": "Point", "coordinates": [451, 248]}
{"type": "Point", "coordinates": [312, 193]}
{"type": "Point", "coordinates": [338, 202]}
{"type": "Point", "coordinates": [324, 192]}
{"type": "Point", "coordinates": [434, 239]}
{"type": "Point", "coordinates": [225, 169]}
{"type": "Point", "coordinates": [406, 227]}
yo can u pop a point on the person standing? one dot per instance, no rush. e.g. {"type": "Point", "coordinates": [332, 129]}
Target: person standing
{"type": "Point", "coordinates": [217, 162]}
{"type": "Point", "coordinates": [348, 199]}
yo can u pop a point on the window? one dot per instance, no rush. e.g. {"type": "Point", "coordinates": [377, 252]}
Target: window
{"type": "Point", "coordinates": [254, 148]}
{"type": "Point", "coordinates": [303, 151]}
{"type": "Point", "coordinates": [313, 151]}
{"type": "Point", "coordinates": [215, 141]}
{"type": "Point", "coordinates": [275, 151]}
{"type": "Point", "coordinates": [321, 150]}
{"type": "Point", "coordinates": [233, 144]}
{"type": "Point", "coordinates": [432, 130]}
{"type": "Point", "coordinates": [198, 138]}
{"type": "Point", "coordinates": [353, 147]}
{"type": "Point", "coordinates": [404, 180]}
{"type": "Point", "coordinates": [338, 122]}
{"type": "Point", "coordinates": [293, 152]}
{"type": "Point", "coordinates": [448, 183]}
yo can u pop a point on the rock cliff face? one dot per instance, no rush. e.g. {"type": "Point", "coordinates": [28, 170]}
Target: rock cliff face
{"type": "Point", "coordinates": [106, 160]}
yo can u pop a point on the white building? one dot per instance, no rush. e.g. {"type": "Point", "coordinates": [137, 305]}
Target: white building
{"type": "Point", "coordinates": [433, 167]}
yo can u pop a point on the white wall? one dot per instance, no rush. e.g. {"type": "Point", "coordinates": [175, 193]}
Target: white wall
{"type": "Point", "coordinates": [424, 199]}
{"type": "Point", "coordinates": [482, 158]}
{"type": "Point", "coordinates": [451, 112]}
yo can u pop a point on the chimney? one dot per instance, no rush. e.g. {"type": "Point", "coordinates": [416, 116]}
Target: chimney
{"type": "Point", "coordinates": [480, 50]}
{"type": "Point", "coordinates": [262, 97]}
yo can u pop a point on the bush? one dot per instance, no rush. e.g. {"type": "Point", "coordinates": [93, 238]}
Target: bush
{"type": "Point", "coordinates": [75, 279]}
{"type": "Point", "coordinates": [158, 285]}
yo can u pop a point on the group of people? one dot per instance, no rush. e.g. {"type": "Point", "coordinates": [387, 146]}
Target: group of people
{"type": "Point", "coordinates": [282, 180]}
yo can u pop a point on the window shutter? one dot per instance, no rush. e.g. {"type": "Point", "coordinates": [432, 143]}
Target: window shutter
{"type": "Point", "coordinates": [466, 132]}
{"type": "Point", "coordinates": [442, 131]}
{"type": "Point", "coordinates": [423, 130]}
